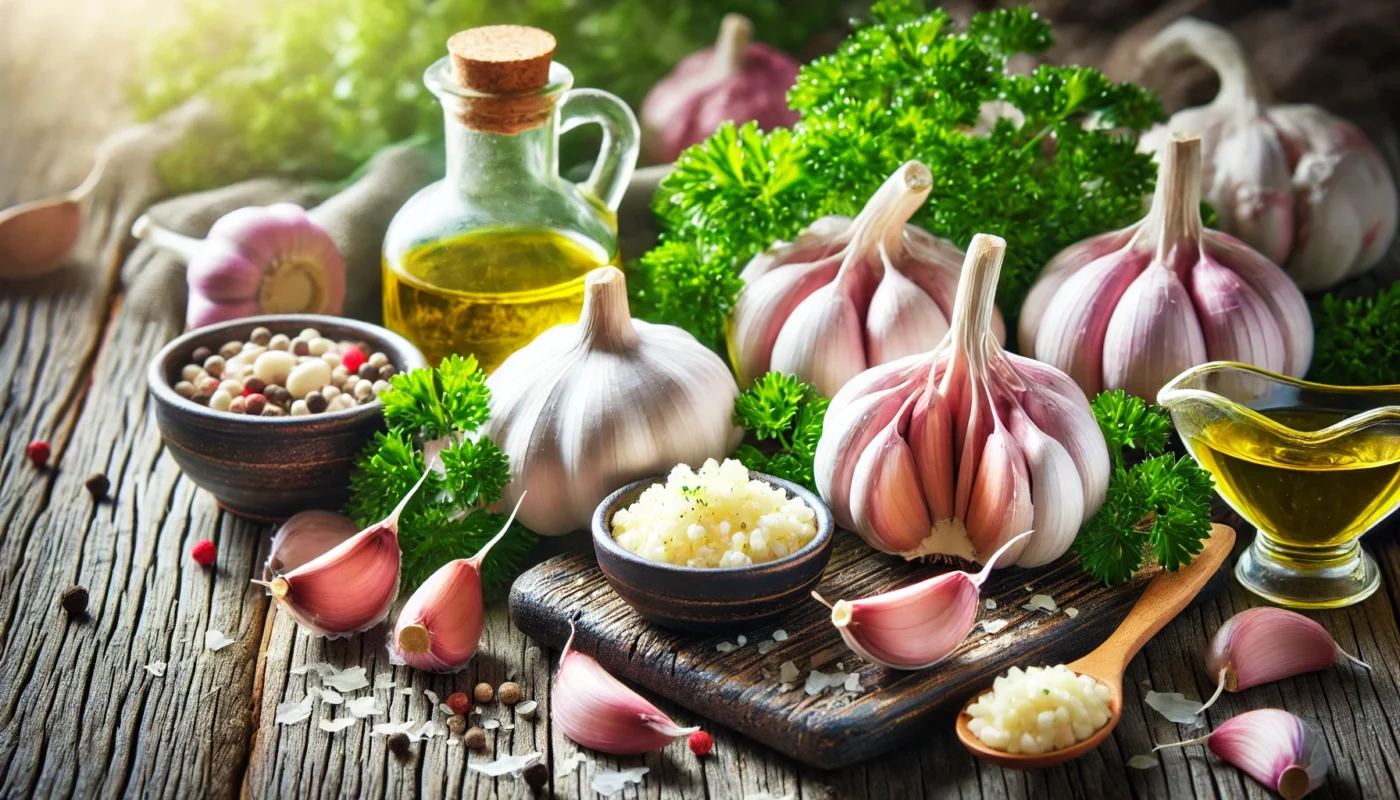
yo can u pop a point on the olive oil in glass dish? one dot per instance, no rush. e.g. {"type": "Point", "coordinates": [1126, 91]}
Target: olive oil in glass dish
{"type": "Point", "coordinates": [486, 259]}
{"type": "Point", "coordinates": [1313, 467]}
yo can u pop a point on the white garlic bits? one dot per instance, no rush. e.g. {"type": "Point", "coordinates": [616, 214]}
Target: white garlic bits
{"type": "Point", "coordinates": [958, 450]}
{"type": "Point", "coordinates": [848, 294]}
{"type": "Point", "coordinates": [1303, 187]}
{"type": "Point", "coordinates": [1132, 309]}
{"type": "Point", "coordinates": [586, 408]}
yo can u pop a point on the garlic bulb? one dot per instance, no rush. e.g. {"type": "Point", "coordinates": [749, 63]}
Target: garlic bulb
{"type": "Point", "coordinates": [1303, 187]}
{"type": "Point", "coordinates": [848, 293]}
{"type": "Point", "coordinates": [1131, 309]}
{"type": "Point", "coordinates": [586, 408]}
{"type": "Point", "coordinates": [957, 450]}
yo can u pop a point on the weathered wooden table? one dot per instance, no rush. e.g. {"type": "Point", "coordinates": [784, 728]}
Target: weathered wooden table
{"type": "Point", "coordinates": [81, 716]}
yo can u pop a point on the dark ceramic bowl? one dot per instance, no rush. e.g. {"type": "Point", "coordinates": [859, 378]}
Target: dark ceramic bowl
{"type": "Point", "coordinates": [711, 599]}
{"type": "Point", "coordinates": [269, 467]}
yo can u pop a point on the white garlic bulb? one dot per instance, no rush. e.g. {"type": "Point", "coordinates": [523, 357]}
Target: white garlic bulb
{"type": "Point", "coordinates": [1298, 184]}
{"type": "Point", "coordinates": [959, 450]}
{"type": "Point", "coordinates": [586, 408]}
{"type": "Point", "coordinates": [848, 294]}
{"type": "Point", "coordinates": [1131, 309]}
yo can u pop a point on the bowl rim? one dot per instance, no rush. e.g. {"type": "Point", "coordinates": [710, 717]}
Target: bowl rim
{"type": "Point", "coordinates": [164, 391]}
{"type": "Point", "coordinates": [826, 530]}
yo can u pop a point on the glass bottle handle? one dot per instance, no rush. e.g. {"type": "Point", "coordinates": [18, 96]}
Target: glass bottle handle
{"type": "Point", "coordinates": [618, 155]}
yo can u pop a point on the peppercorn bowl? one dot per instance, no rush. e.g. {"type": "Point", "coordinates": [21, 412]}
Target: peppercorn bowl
{"type": "Point", "coordinates": [263, 467]}
{"type": "Point", "coordinates": [712, 599]}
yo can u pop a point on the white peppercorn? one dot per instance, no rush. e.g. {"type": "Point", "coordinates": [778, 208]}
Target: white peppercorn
{"type": "Point", "coordinates": [300, 409]}
{"type": "Point", "coordinates": [280, 342]}
{"type": "Point", "coordinates": [261, 336]}
{"type": "Point", "coordinates": [191, 372]}
{"type": "Point", "coordinates": [185, 389]}
{"type": "Point", "coordinates": [220, 400]}
{"type": "Point", "coordinates": [378, 360]}
{"type": "Point", "coordinates": [230, 349]}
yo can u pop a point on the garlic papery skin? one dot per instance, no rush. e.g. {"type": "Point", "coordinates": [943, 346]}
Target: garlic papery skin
{"type": "Point", "coordinates": [955, 451]}
{"type": "Point", "coordinates": [349, 588]}
{"type": "Point", "coordinates": [305, 536]}
{"type": "Point", "coordinates": [256, 260]}
{"type": "Point", "coordinates": [1300, 185]}
{"type": "Point", "coordinates": [1266, 644]}
{"type": "Point", "coordinates": [440, 626]}
{"type": "Point", "coordinates": [587, 408]}
{"type": "Point", "coordinates": [1132, 309]}
{"type": "Point", "coordinates": [1273, 747]}
{"type": "Point", "coordinates": [597, 711]}
{"type": "Point", "coordinates": [915, 626]}
{"type": "Point", "coordinates": [848, 294]}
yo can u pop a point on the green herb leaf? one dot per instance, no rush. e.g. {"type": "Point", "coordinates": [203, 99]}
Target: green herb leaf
{"type": "Point", "coordinates": [1357, 340]}
{"type": "Point", "coordinates": [781, 408]}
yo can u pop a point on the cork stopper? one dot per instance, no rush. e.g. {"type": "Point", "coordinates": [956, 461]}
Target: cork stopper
{"type": "Point", "coordinates": [497, 59]}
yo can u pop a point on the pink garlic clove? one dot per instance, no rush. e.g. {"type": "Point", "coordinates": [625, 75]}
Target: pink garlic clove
{"type": "Point", "coordinates": [763, 309]}
{"type": "Point", "coordinates": [1074, 325]}
{"type": "Point", "coordinates": [1252, 188]}
{"type": "Point", "coordinates": [1273, 747]}
{"type": "Point", "coordinates": [1000, 503]}
{"type": "Point", "coordinates": [306, 536]}
{"type": "Point", "coordinates": [902, 320]}
{"type": "Point", "coordinates": [595, 710]}
{"type": "Point", "coordinates": [822, 340]}
{"type": "Point", "coordinates": [886, 501]}
{"type": "Point", "coordinates": [1153, 335]}
{"type": "Point", "coordinates": [1060, 269]}
{"type": "Point", "coordinates": [1235, 321]}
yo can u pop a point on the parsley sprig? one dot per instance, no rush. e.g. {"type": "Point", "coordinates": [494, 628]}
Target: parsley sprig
{"type": "Point", "coordinates": [447, 519]}
{"type": "Point", "coordinates": [1358, 339]}
{"type": "Point", "coordinates": [1158, 507]}
{"type": "Point", "coordinates": [1062, 168]}
{"type": "Point", "coordinates": [783, 409]}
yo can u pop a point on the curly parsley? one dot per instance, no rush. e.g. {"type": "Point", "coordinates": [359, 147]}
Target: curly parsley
{"type": "Point", "coordinates": [1357, 340]}
{"type": "Point", "coordinates": [447, 519]}
{"type": "Point", "coordinates": [783, 409]}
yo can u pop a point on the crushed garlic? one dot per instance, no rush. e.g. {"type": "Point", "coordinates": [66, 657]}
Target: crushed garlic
{"type": "Point", "coordinates": [1039, 709]}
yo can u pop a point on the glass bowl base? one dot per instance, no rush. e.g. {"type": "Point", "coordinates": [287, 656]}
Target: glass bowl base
{"type": "Point", "coordinates": [1307, 578]}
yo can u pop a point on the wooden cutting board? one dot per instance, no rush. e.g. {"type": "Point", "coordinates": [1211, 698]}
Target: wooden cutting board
{"type": "Point", "coordinates": [832, 729]}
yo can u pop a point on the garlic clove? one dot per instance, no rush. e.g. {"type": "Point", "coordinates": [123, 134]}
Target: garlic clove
{"type": "Point", "coordinates": [931, 442]}
{"type": "Point", "coordinates": [1057, 494]}
{"type": "Point", "coordinates": [1000, 503]}
{"type": "Point", "coordinates": [1054, 403]}
{"type": "Point", "coordinates": [305, 536]}
{"type": "Point", "coordinates": [1074, 326]}
{"type": "Point", "coordinates": [919, 625]}
{"type": "Point", "coordinates": [823, 341]}
{"type": "Point", "coordinates": [1331, 232]}
{"type": "Point", "coordinates": [1234, 319]}
{"type": "Point", "coordinates": [1273, 747]}
{"type": "Point", "coordinates": [764, 307]}
{"type": "Point", "coordinates": [1153, 335]}
{"type": "Point", "coordinates": [1061, 268]}
{"type": "Point", "coordinates": [886, 501]}
{"type": "Point", "coordinates": [1266, 644]}
{"type": "Point", "coordinates": [595, 710]}
{"type": "Point", "coordinates": [902, 320]}
{"type": "Point", "coordinates": [1252, 189]}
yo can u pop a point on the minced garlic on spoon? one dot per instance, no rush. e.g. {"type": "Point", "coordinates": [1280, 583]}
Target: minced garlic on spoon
{"type": "Point", "coordinates": [1039, 710]}
{"type": "Point", "coordinates": [718, 517]}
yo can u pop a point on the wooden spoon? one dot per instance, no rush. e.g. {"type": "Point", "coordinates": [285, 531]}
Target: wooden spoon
{"type": "Point", "coordinates": [1165, 597]}
{"type": "Point", "coordinates": [36, 236]}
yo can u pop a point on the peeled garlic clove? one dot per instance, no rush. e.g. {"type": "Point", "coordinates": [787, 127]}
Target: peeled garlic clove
{"type": "Point", "coordinates": [349, 588]}
{"type": "Point", "coordinates": [1266, 644]}
{"type": "Point", "coordinates": [918, 625]}
{"type": "Point", "coordinates": [440, 626]}
{"type": "Point", "coordinates": [1153, 335]}
{"type": "Point", "coordinates": [1273, 747]}
{"type": "Point", "coordinates": [595, 710]}
{"type": "Point", "coordinates": [305, 536]}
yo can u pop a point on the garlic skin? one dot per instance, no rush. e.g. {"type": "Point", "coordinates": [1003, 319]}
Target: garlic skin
{"type": "Point", "coordinates": [256, 260]}
{"type": "Point", "coordinates": [848, 294]}
{"type": "Point", "coordinates": [587, 408]}
{"type": "Point", "coordinates": [1266, 644]}
{"type": "Point", "coordinates": [1273, 747]}
{"type": "Point", "coordinates": [595, 710]}
{"type": "Point", "coordinates": [915, 626]}
{"type": "Point", "coordinates": [1305, 188]}
{"type": "Point", "coordinates": [956, 451]}
{"type": "Point", "coordinates": [304, 536]}
{"type": "Point", "coordinates": [440, 626]}
{"type": "Point", "coordinates": [349, 588]}
{"type": "Point", "coordinates": [1132, 309]}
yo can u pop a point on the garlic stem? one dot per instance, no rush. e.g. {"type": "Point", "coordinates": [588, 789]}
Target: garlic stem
{"type": "Point", "coordinates": [975, 305]}
{"type": "Point", "coordinates": [1176, 206]}
{"type": "Point", "coordinates": [606, 322]}
{"type": "Point", "coordinates": [735, 33]}
{"type": "Point", "coordinates": [1240, 88]}
{"type": "Point", "coordinates": [178, 243]}
{"type": "Point", "coordinates": [884, 214]}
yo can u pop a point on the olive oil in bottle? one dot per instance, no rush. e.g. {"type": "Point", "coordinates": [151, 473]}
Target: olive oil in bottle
{"type": "Point", "coordinates": [488, 292]}
{"type": "Point", "coordinates": [1315, 496]}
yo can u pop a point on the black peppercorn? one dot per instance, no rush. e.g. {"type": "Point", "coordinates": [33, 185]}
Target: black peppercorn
{"type": "Point", "coordinates": [315, 402]}
{"type": "Point", "coordinates": [301, 347]}
{"type": "Point", "coordinates": [474, 739]}
{"type": "Point", "coordinates": [368, 371]}
{"type": "Point", "coordinates": [74, 601]}
{"type": "Point", "coordinates": [254, 386]}
{"type": "Point", "coordinates": [386, 372]}
{"type": "Point", "coordinates": [536, 775]}
{"type": "Point", "coordinates": [200, 355]}
{"type": "Point", "coordinates": [398, 745]}
{"type": "Point", "coordinates": [97, 486]}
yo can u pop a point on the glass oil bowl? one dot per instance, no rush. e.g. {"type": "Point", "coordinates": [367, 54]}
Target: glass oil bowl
{"type": "Point", "coordinates": [1313, 467]}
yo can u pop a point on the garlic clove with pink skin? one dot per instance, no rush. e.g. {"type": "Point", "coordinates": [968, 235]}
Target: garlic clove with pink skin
{"type": "Point", "coordinates": [1302, 186]}
{"type": "Point", "coordinates": [1266, 644]}
{"type": "Point", "coordinates": [305, 536]}
{"type": "Point", "coordinates": [1172, 295]}
{"type": "Point", "coordinates": [349, 588]}
{"type": "Point", "coordinates": [440, 626]}
{"type": "Point", "coordinates": [915, 626]}
{"type": "Point", "coordinates": [595, 710]}
{"type": "Point", "coordinates": [257, 260]}
{"type": "Point", "coordinates": [1273, 747]}
{"type": "Point", "coordinates": [848, 294]}
{"type": "Point", "coordinates": [955, 451]}
{"type": "Point", "coordinates": [737, 80]}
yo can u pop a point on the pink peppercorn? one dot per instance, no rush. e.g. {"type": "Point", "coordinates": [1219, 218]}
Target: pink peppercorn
{"type": "Point", "coordinates": [352, 359]}
{"type": "Point", "coordinates": [203, 552]}
{"type": "Point", "coordinates": [700, 743]}
{"type": "Point", "coordinates": [39, 452]}
{"type": "Point", "coordinates": [254, 403]}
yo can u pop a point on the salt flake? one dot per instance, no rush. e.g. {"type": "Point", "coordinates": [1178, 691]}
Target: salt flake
{"type": "Point", "coordinates": [333, 725]}
{"type": "Point", "coordinates": [1042, 602]}
{"type": "Point", "coordinates": [432, 697]}
{"type": "Point", "coordinates": [990, 604]}
{"type": "Point", "coordinates": [1071, 612]}
{"type": "Point", "coordinates": [1142, 762]}
{"type": "Point", "coordinates": [323, 669]}
{"type": "Point", "coordinates": [346, 681]}
{"type": "Point", "coordinates": [216, 640]}
{"type": "Point", "coordinates": [852, 683]}
{"type": "Point", "coordinates": [818, 681]}
{"type": "Point", "coordinates": [384, 681]}
{"type": "Point", "coordinates": [788, 672]}
{"type": "Point", "coordinates": [764, 648]}
{"type": "Point", "coordinates": [505, 765]}
{"type": "Point", "coordinates": [726, 647]}
{"type": "Point", "coordinates": [292, 713]}
{"type": "Point", "coordinates": [1174, 706]}
{"type": "Point", "coordinates": [780, 635]}
{"type": "Point", "coordinates": [329, 696]}
{"type": "Point", "coordinates": [742, 640]}
{"type": "Point", "coordinates": [491, 724]}
{"type": "Point", "coordinates": [156, 668]}
{"type": "Point", "coordinates": [390, 728]}
{"type": "Point", "coordinates": [365, 706]}
{"type": "Point", "coordinates": [571, 764]}
{"type": "Point", "coordinates": [994, 625]}
{"type": "Point", "coordinates": [607, 782]}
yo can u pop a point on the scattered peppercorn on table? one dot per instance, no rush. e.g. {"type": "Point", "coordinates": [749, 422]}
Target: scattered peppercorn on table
{"type": "Point", "coordinates": [110, 683]}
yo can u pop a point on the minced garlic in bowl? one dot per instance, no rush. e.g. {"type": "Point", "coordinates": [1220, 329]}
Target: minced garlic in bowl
{"type": "Point", "coordinates": [718, 517]}
{"type": "Point", "coordinates": [1039, 709]}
